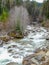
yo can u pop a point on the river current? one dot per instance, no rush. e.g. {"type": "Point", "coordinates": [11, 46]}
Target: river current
{"type": "Point", "coordinates": [15, 50]}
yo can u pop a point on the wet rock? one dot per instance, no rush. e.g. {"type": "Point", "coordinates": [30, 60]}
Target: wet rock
{"type": "Point", "coordinates": [12, 63]}
{"type": "Point", "coordinates": [5, 38]}
{"type": "Point", "coordinates": [15, 57]}
{"type": "Point", "coordinates": [47, 54]}
{"type": "Point", "coordinates": [45, 49]}
{"type": "Point", "coordinates": [19, 36]}
{"type": "Point", "coordinates": [1, 43]}
{"type": "Point", "coordinates": [10, 50]}
{"type": "Point", "coordinates": [12, 34]}
{"type": "Point", "coordinates": [37, 50]}
{"type": "Point", "coordinates": [26, 33]}
{"type": "Point", "coordinates": [41, 53]}
{"type": "Point", "coordinates": [33, 64]}
{"type": "Point", "coordinates": [45, 63]}
{"type": "Point", "coordinates": [14, 46]}
{"type": "Point", "coordinates": [9, 47]}
{"type": "Point", "coordinates": [47, 38]}
{"type": "Point", "coordinates": [28, 62]}
{"type": "Point", "coordinates": [15, 35]}
{"type": "Point", "coordinates": [40, 56]}
{"type": "Point", "coordinates": [25, 62]}
{"type": "Point", "coordinates": [35, 59]}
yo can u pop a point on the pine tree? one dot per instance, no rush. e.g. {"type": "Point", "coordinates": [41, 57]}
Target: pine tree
{"type": "Point", "coordinates": [0, 6]}
{"type": "Point", "coordinates": [19, 2]}
{"type": "Point", "coordinates": [46, 8]}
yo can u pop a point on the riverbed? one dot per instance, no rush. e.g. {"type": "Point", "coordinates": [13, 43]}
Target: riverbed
{"type": "Point", "coordinates": [15, 50]}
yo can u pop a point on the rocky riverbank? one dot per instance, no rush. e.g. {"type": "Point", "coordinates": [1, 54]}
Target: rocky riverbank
{"type": "Point", "coordinates": [40, 57]}
{"type": "Point", "coordinates": [11, 35]}
{"type": "Point", "coordinates": [32, 49]}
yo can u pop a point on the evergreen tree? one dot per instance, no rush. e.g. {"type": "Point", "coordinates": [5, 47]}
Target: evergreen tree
{"type": "Point", "coordinates": [7, 4]}
{"type": "Point", "coordinates": [0, 6]}
{"type": "Point", "coordinates": [46, 8]}
{"type": "Point", "coordinates": [19, 2]}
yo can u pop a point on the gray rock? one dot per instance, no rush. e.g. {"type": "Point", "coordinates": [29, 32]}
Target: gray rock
{"type": "Point", "coordinates": [35, 61]}
{"type": "Point", "coordinates": [12, 63]}
{"type": "Point", "coordinates": [1, 43]}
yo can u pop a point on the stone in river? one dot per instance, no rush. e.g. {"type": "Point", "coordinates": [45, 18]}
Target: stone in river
{"type": "Point", "coordinates": [47, 54]}
{"type": "Point", "coordinates": [40, 56]}
{"type": "Point", "coordinates": [32, 64]}
{"type": "Point", "coordinates": [5, 38]}
{"type": "Point", "coordinates": [10, 50]}
{"type": "Point", "coordinates": [45, 63]}
{"type": "Point", "coordinates": [12, 63]}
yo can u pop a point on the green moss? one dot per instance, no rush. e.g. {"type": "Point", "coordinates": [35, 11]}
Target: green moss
{"type": "Point", "coordinates": [4, 16]}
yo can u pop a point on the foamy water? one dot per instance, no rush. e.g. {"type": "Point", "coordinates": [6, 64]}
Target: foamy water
{"type": "Point", "coordinates": [23, 47]}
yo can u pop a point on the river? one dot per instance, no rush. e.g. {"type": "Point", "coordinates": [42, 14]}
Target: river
{"type": "Point", "coordinates": [15, 50]}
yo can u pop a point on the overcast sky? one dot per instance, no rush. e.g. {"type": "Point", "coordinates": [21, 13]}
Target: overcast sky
{"type": "Point", "coordinates": [40, 1]}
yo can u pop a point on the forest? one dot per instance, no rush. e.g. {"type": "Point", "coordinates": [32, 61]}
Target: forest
{"type": "Point", "coordinates": [24, 32]}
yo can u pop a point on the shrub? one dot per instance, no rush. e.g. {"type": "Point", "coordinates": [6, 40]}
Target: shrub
{"type": "Point", "coordinates": [18, 27]}
{"type": "Point", "coordinates": [4, 16]}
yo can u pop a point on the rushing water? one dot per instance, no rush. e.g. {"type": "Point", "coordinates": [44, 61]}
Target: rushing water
{"type": "Point", "coordinates": [16, 50]}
